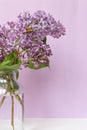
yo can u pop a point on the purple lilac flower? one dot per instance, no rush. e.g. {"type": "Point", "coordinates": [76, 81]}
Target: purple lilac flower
{"type": "Point", "coordinates": [27, 35]}
{"type": "Point", "coordinates": [49, 24]}
{"type": "Point", "coordinates": [38, 26]}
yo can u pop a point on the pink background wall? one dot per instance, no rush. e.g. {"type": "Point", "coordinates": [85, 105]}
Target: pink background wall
{"type": "Point", "coordinates": [62, 90]}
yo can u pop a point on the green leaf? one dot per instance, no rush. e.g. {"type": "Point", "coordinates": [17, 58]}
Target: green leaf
{"type": "Point", "coordinates": [9, 59]}
{"type": "Point", "coordinates": [17, 73]}
{"type": "Point", "coordinates": [5, 63]}
{"type": "Point", "coordinates": [16, 86]}
{"type": "Point", "coordinates": [43, 65]}
{"type": "Point", "coordinates": [10, 62]}
{"type": "Point", "coordinates": [13, 85]}
{"type": "Point", "coordinates": [32, 66]}
{"type": "Point", "coordinates": [44, 40]}
{"type": "Point", "coordinates": [8, 68]}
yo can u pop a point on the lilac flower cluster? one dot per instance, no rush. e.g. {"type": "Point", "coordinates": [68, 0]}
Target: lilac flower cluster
{"type": "Point", "coordinates": [28, 37]}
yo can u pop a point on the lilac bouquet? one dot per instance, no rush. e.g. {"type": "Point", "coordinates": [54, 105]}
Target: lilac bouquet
{"type": "Point", "coordinates": [24, 43]}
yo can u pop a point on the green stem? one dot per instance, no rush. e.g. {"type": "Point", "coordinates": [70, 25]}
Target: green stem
{"type": "Point", "coordinates": [3, 98]}
{"type": "Point", "coordinates": [11, 87]}
{"type": "Point", "coordinates": [19, 99]}
{"type": "Point", "coordinates": [12, 115]}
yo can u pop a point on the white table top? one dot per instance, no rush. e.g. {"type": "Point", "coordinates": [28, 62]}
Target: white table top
{"type": "Point", "coordinates": [55, 124]}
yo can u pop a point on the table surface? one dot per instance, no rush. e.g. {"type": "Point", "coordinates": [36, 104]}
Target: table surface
{"type": "Point", "coordinates": [55, 124]}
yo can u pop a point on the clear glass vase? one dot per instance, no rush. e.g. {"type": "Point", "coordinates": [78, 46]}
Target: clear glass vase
{"type": "Point", "coordinates": [11, 104]}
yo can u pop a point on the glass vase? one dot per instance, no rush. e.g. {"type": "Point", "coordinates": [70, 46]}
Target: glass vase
{"type": "Point", "coordinates": [11, 104]}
